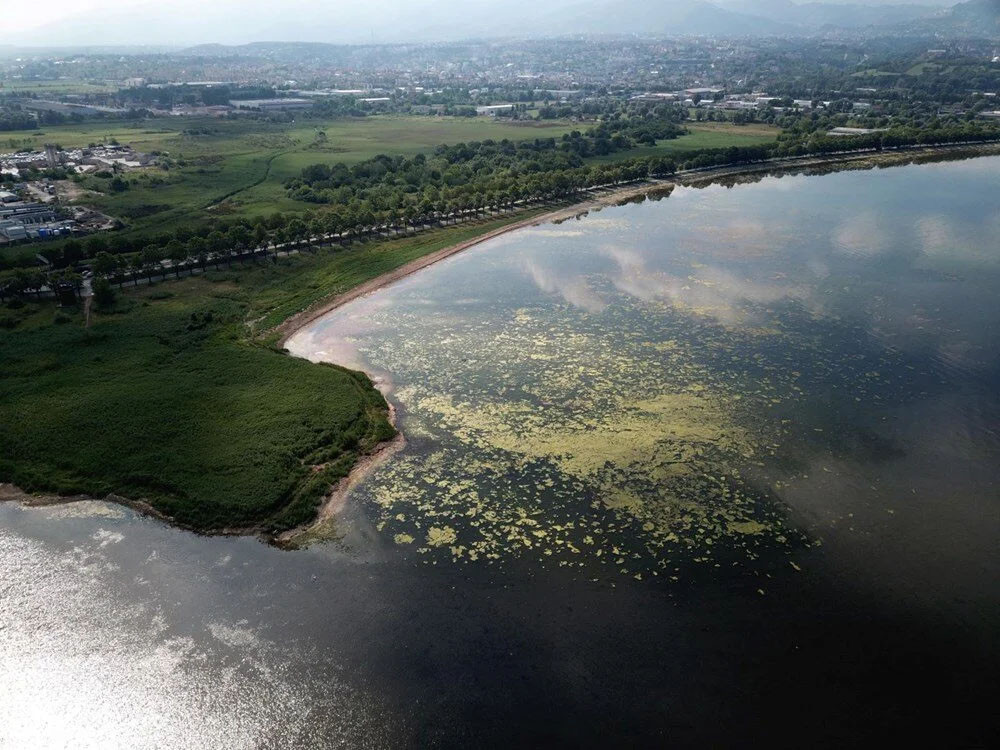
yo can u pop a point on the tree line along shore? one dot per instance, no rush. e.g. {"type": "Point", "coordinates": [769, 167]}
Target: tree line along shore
{"type": "Point", "coordinates": [398, 194]}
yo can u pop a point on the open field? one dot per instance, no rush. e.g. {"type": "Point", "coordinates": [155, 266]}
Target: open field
{"type": "Point", "coordinates": [57, 86]}
{"type": "Point", "coordinates": [703, 135]}
{"type": "Point", "coordinates": [171, 398]}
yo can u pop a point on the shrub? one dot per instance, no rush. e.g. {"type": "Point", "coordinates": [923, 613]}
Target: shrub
{"type": "Point", "coordinates": [104, 294]}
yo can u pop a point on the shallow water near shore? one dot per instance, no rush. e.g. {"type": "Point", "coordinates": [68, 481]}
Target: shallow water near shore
{"type": "Point", "coordinates": [709, 469]}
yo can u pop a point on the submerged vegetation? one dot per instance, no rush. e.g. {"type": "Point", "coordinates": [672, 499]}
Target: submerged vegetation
{"type": "Point", "coordinates": [630, 397]}
{"type": "Point", "coordinates": [553, 444]}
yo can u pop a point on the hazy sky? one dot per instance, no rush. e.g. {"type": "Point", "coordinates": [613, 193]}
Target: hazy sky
{"type": "Point", "coordinates": [182, 22]}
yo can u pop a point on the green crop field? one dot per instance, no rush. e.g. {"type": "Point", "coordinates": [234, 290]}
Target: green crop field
{"type": "Point", "coordinates": [173, 398]}
{"type": "Point", "coordinates": [56, 86]}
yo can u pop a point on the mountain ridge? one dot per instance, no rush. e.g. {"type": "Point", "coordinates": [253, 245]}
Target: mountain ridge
{"type": "Point", "coordinates": [427, 21]}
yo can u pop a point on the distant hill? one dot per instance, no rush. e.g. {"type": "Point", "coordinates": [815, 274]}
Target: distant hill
{"type": "Point", "coordinates": [392, 21]}
{"type": "Point", "coordinates": [682, 17]}
{"type": "Point", "coordinates": [979, 18]}
{"type": "Point", "coordinates": [816, 16]}
{"type": "Point", "coordinates": [976, 16]}
{"type": "Point", "coordinates": [561, 17]}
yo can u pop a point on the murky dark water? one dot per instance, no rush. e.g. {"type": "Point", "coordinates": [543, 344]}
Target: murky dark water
{"type": "Point", "coordinates": [717, 469]}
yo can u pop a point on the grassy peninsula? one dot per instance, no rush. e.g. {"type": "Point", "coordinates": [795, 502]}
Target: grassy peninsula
{"type": "Point", "coordinates": [175, 396]}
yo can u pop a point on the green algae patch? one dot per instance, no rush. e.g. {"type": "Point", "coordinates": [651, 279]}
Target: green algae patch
{"type": "Point", "coordinates": [622, 501]}
{"type": "Point", "coordinates": [440, 537]}
{"type": "Point", "coordinates": [636, 399]}
{"type": "Point", "coordinates": [570, 440]}
{"type": "Point", "coordinates": [747, 527]}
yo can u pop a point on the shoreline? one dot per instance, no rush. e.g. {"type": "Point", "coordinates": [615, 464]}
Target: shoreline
{"type": "Point", "coordinates": [336, 499]}
{"type": "Point", "coordinates": [11, 493]}
{"type": "Point", "coordinates": [616, 196]}
{"type": "Point", "coordinates": [311, 314]}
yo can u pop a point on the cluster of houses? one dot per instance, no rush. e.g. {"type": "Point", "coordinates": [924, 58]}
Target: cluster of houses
{"type": "Point", "coordinates": [80, 160]}
{"type": "Point", "coordinates": [712, 97]}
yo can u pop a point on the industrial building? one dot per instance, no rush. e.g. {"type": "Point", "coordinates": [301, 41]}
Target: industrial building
{"type": "Point", "coordinates": [26, 221]}
{"type": "Point", "coordinates": [271, 105]}
{"type": "Point", "coordinates": [494, 109]}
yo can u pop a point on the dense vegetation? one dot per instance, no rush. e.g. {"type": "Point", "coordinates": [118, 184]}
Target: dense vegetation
{"type": "Point", "coordinates": [161, 400]}
{"type": "Point", "coordinates": [489, 168]}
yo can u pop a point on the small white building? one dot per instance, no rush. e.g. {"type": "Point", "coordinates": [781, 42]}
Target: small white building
{"type": "Point", "coordinates": [494, 109]}
{"type": "Point", "coordinates": [854, 131]}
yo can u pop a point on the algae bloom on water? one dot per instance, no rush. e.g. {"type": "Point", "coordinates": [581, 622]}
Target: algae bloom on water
{"type": "Point", "coordinates": [638, 392]}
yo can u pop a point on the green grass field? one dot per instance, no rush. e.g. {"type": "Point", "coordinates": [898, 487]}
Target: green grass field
{"type": "Point", "coordinates": [922, 68]}
{"type": "Point", "coordinates": [57, 86]}
{"type": "Point", "coordinates": [703, 135]}
{"type": "Point", "coordinates": [173, 398]}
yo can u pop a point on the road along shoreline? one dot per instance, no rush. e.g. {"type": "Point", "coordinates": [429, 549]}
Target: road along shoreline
{"type": "Point", "coordinates": [317, 310]}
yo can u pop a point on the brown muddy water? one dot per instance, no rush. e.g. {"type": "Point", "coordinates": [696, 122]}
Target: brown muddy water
{"type": "Point", "coordinates": [717, 469]}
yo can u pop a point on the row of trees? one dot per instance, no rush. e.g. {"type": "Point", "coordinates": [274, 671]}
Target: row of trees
{"type": "Point", "coordinates": [471, 169]}
{"type": "Point", "coordinates": [395, 206]}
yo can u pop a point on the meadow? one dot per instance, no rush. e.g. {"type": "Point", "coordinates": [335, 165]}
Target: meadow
{"type": "Point", "coordinates": [702, 135]}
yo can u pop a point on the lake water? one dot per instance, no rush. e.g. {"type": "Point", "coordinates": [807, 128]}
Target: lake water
{"type": "Point", "coordinates": [708, 469]}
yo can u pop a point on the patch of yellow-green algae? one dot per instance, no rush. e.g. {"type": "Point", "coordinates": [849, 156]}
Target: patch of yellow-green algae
{"type": "Point", "coordinates": [437, 537]}
{"type": "Point", "coordinates": [551, 436]}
